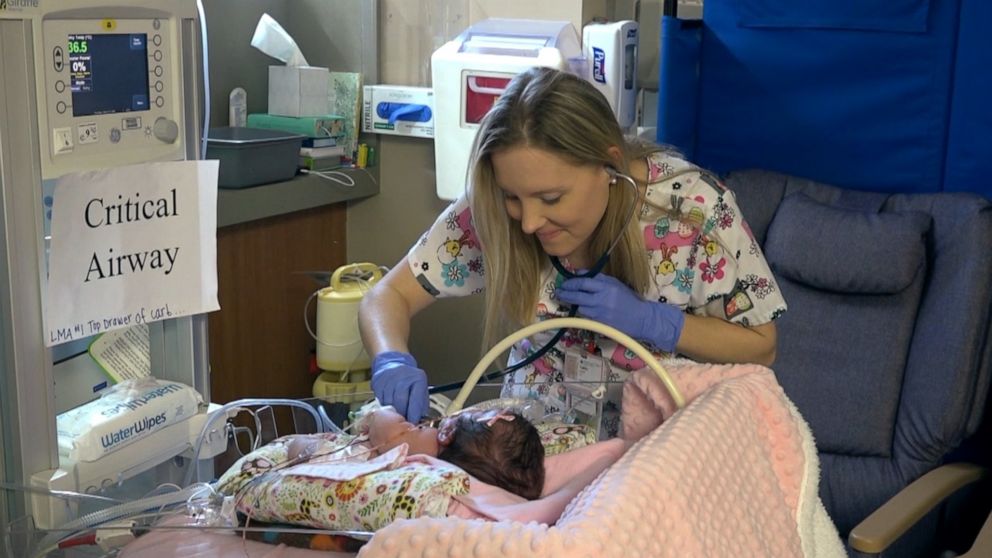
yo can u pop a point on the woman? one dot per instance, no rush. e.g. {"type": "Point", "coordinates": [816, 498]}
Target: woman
{"type": "Point", "coordinates": [552, 175]}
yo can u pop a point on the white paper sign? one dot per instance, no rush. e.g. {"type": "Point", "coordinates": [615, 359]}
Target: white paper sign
{"type": "Point", "coordinates": [131, 245]}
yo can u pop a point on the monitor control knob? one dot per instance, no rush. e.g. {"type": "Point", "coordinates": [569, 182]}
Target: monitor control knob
{"type": "Point", "coordinates": [165, 130]}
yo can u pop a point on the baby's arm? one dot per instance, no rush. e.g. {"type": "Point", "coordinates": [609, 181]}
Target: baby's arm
{"type": "Point", "coordinates": [567, 475]}
{"type": "Point", "coordinates": [580, 466]}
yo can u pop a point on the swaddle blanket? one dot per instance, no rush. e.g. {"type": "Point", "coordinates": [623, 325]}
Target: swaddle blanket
{"type": "Point", "coordinates": [734, 473]}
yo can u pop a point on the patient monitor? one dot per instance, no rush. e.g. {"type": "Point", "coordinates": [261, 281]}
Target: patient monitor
{"type": "Point", "coordinates": [86, 85]}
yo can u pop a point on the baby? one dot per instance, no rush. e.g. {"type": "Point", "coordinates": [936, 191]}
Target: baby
{"type": "Point", "coordinates": [477, 464]}
{"type": "Point", "coordinates": [496, 446]}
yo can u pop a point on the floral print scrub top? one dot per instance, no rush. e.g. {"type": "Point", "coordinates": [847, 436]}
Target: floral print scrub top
{"type": "Point", "coordinates": [704, 260]}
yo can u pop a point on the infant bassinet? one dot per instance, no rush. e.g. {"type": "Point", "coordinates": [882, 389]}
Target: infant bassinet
{"type": "Point", "coordinates": [734, 473]}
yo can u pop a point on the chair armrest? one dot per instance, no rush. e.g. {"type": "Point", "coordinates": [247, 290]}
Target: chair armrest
{"type": "Point", "coordinates": [983, 542]}
{"type": "Point", "coordinates": [886, 524]}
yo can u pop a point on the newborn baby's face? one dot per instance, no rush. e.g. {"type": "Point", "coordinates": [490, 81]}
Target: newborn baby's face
{"type": "Point", "coordinates": [388, 429]}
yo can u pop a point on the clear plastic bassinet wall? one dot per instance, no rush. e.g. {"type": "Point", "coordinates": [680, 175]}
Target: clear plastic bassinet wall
{"type": "Point", "coordinates": [883, 95]}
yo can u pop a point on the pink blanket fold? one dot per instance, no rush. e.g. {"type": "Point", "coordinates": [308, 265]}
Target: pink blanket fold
{"type": "Point", "coordinates": [735, 473]}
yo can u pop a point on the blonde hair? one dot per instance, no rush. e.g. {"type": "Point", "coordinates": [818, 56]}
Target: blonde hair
{"type": "Point", "coordinates": [560, 113]}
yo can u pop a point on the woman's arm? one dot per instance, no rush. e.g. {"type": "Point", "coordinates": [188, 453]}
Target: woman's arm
{"type": "Point", "coordinates": [712, 339]}
{"type": "Point", "coordinates": [708, 339]}
{"type": "Point", "coordinates": [386, 310]}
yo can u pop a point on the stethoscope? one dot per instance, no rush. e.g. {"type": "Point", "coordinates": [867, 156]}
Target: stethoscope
{"type": "Point", "coordinates": [568, 274]}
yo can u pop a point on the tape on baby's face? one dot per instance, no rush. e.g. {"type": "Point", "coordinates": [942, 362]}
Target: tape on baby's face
{"type": "Point", "coordinates": [502, 414]}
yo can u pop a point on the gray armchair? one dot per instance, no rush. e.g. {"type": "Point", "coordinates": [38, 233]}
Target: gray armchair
{"type": "Point", "coordinates": [886, 351]}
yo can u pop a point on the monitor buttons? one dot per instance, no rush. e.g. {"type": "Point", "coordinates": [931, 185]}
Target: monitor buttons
{"type": "Point", "coordinates": [58, 59]}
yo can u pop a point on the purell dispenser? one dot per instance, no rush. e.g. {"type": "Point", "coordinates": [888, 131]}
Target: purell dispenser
{"type": "Point", "coordinates": [611, 65]}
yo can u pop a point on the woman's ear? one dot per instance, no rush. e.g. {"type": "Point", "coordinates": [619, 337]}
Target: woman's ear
{"type": "Point", "coordinates": [616, 156]}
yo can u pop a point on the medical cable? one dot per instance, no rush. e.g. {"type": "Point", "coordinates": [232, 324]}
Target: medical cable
{"type": "Point", "coordinates": [51, 541]}
{"type": "Point", "coordinates": [206, 80]}
{"type": "Point", "coordinates": [75, 530]}
{"type": "Point", "coordinates": [556, 262]}
{"type": "Point", "coordinates": [238, 405]}
{"type": "Point", "coordinates": [264, 528]}
{"type": "Point", "coordinates": [136, 523]}
{"type": "Point", "coordinates": [63, 494]}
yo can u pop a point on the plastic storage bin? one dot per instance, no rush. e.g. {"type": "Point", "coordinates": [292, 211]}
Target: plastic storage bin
{"type": "Point", "coordinates": [252, 156]}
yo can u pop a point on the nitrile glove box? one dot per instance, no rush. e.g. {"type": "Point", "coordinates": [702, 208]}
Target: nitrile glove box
{"type": "Point", "coordinates": [299, 90]}
{"type": "Point", "coordinates": [398, 110]}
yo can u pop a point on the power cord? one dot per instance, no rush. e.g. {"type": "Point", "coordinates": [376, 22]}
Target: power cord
{"type": "Point", "coordinates": [334, 176]}
{"type": "Point", "coordinates": [206, 80]}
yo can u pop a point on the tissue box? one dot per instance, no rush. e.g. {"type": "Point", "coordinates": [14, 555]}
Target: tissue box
{"type": "Point", "coordinates": [411, 110]}
{"type": "Point", "coordinates": [299, 90]}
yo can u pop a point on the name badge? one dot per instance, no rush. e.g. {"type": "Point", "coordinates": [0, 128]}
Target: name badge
{"type": "Point", "coordinates": [585, 377]}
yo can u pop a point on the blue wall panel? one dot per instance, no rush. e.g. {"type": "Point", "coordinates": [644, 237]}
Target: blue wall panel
{"type": "Point", "coordinates": [874, 95]}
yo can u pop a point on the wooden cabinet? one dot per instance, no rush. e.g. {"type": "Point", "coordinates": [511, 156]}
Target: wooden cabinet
{"type": "Point", "coordinates": [259, 345]}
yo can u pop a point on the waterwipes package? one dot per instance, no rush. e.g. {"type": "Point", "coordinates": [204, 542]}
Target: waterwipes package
{"type": "Point", "coordinates": [126, 413]}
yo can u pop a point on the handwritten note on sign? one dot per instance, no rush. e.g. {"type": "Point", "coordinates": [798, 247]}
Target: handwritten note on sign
{"type": "Point", "coordinates": [131, 245]}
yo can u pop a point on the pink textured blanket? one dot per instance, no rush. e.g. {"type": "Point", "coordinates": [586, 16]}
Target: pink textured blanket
{"type": "Point", "coordinates": [735, 473]}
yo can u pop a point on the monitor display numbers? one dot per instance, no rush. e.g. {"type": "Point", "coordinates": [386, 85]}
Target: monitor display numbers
{"type": "Point", "coordinates": [108, 73]}
{"type": "Point", "coordinates": [78, 46]}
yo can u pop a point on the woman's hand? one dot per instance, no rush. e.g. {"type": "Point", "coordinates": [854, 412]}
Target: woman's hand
{"type": "Point", "coordinates": [397, 381]}
{"type": "Point", "coordinates": [607, 300]}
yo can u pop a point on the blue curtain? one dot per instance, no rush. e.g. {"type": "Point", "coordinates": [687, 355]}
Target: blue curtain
{"type": "Point", "coordinates": [889, 96]}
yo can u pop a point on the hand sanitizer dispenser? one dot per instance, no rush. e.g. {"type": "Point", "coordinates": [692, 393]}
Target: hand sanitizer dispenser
{"type": "Point", "coordinates": [471, 72]}
{"type": "Point", "coordinates": [611, 65]}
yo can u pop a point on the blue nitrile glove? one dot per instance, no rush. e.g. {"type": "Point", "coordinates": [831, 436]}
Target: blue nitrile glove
{"type": "Point", "coordinates": [607, 300]}
{"type": "Point", "coordinates": [397, 381]}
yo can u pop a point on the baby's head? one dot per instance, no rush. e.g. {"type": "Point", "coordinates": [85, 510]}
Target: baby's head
{"type": "Point", "coordinates": [497, 447]}
{"type": "Point", "coordinates": [387, 429]}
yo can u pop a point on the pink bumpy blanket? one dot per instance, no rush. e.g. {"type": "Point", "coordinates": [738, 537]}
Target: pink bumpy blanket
{"type": "Point", "coordinates": [734, 473]}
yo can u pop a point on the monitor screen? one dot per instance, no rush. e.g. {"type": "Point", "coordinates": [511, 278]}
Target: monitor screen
{"type": "Point", "coordinates": [109, 73]}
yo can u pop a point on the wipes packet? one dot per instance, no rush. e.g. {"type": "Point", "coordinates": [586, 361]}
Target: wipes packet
{"type": "Point", "coordinates": [126, 412]}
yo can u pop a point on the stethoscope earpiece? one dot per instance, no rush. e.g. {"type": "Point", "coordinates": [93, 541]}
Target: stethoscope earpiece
{"type": "Point", "coordinates": [613, 175]}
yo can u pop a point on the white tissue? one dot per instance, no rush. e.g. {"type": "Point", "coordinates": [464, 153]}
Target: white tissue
{"type": "Point", "coordinates": [273, 40]}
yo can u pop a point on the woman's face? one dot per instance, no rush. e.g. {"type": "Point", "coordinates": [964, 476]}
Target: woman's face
{"type": "Point", "coordinates": [557, 201]}
{"type": "Point", "coordinates": [388, 429]}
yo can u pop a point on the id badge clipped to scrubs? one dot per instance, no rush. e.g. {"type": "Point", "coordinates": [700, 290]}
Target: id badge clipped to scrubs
{"type": "Point", "coordinates": [585, 384]}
